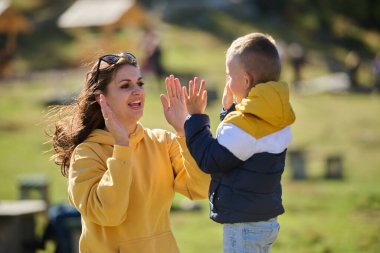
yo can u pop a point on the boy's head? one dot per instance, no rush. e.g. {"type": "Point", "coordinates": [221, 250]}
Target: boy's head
{"type": "Point", "coordinates": [251, 59]}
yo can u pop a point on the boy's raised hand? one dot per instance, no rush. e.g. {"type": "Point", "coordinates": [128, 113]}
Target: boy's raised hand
{"type": "Point", "coordinates": [196, 99]}
{"type": "Point", "coordinates": [174, 105]}
{"type": "Point", "coordinates": [227, 98]}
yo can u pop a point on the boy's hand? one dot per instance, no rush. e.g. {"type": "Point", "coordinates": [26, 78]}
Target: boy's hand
{"type": "Point", "coordinates": [196, 100]}
{"type": "Point", "coordinates": [227, 98]}
{"type": "Point", "coordinates": [174, 105]}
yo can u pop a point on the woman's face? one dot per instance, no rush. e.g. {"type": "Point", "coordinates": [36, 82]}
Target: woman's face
{"type": "Point", "coordinates": [125, 95]}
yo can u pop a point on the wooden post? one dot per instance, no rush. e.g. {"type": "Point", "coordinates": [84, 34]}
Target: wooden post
{"type": "Point", "coordinates": [334, 167]}
{"type": "Point", "coordinates": [34, 183]}
{"type": "Point", "coordinates": [297, 164]}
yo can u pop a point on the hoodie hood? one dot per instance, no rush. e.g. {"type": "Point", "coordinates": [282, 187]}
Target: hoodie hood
{"type": "Point", "coordinates": [105, 138]}
{"type": "Point", "coordinates": [265, 110]}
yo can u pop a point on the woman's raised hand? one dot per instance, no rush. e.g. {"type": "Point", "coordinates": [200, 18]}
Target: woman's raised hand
{"type": "Point", "coordinates": [196, 99]}
{"type": "Point", "coordinates": [113, 125]}
{"type": "Point", "coordinates": [174, 105]}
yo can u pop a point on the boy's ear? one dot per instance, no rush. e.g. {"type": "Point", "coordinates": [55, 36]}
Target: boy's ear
{"type": "Point", "coordinates": [249, 80]}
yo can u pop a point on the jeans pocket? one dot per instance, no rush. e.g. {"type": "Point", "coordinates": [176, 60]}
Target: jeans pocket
{"type": "Point", "coordinates": [260, 235]}
{"type": "Point", "coordinates": [257, 233]}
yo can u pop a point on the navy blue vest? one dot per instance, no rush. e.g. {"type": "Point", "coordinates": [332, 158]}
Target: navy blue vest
{"type": "Point", "coordinates": [240, 191]}
{"type": "Point", "coordinates": [249, 193]}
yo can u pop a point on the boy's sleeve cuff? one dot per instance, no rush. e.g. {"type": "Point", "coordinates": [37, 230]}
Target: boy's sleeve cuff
{"type": "Point", "coordinates": [195, 123]}
{"type": "Point", "coordinates": [224, 112]}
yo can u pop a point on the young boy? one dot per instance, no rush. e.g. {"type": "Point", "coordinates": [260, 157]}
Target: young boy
{"type": "Point", "coordinates": [247, 158]}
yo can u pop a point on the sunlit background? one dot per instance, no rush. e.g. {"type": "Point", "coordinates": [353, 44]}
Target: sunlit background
{"type": "Point", "coordinates": [331, 59]}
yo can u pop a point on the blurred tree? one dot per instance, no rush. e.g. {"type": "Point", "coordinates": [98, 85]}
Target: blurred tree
{"type": "Point", "coordinates": [365, 13]}
{"type": "Point", "coordinates": [313, 21]}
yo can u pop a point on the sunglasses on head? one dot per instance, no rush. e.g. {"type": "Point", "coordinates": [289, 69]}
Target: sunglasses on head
{"type": "Point", "coordinates": [114, 58]}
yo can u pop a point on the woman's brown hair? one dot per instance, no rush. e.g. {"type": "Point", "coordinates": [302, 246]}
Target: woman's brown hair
{"type": "Point", "coordinates": [78, 119]}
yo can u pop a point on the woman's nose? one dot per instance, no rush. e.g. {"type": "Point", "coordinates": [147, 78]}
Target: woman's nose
{"type": "Point", "coordinates": [137, 90]}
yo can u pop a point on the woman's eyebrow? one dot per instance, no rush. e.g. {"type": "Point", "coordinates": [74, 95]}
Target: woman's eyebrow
{"type": "Point", "coordinates": [125, 80]}
{"type": "Point", "coordinates": [129, 80]}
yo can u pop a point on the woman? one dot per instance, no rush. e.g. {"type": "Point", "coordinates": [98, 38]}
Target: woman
{"type": "Point", "coordinates": [121, 176]}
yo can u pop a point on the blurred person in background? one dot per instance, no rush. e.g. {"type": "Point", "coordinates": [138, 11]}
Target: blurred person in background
{"type": "Point", "coordinates": [122, 177]}
{"type": "Point", "coordinates": [152, 61]}
{"type": "Point", "coordinates": [298, 60]}
{"type": "Point", "coordinates": [352, 62]}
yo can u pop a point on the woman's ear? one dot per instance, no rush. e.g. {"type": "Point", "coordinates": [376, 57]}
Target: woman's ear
{"type": "Point", "coordinates": [97, 95]}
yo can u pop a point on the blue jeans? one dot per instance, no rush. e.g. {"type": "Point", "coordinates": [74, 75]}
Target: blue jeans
{"type": "Point", "coordinates": [250, 237]}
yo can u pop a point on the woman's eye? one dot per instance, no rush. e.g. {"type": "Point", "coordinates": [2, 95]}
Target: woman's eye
{"type": "Point", "coordinates": [125, 86]}
{"type": "Point", "coordinates": [140, 84]}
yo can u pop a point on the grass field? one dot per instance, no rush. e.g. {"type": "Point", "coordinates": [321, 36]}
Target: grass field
{"type": "Point", "coordinates": [322, 216]}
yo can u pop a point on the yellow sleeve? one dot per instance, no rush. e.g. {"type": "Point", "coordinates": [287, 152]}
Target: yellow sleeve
{"type": "Point", "coordinates": [190, 180]}
{"type": "Point", "coordinates": [98, 188]}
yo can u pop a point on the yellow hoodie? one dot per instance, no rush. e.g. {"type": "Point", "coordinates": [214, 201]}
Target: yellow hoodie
{"type": "Point", "coordinates": [124, 194]}
{"type": "Point", "coordinates": [265, 110]}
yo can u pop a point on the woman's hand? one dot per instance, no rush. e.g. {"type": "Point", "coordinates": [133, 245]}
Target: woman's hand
{"type": "Point", "coordinates": [174, 105]}
{"type": "Point", "coordinates": [196, 100]}
{"type": "Point", "coordinates": [113, 125]}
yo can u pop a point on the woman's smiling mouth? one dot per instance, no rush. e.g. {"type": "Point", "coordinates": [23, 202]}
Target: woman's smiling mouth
{"type": "Point", "coordinates": [135, 104]}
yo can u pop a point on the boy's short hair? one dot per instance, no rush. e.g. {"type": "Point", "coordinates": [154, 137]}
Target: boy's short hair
{"type": "Point", "coordinates": [258, 54]}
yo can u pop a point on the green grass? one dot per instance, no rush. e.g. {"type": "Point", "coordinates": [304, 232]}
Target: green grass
{"type": "Point", "coordinates": [334, 216]}
{"type": "Point", "coordinates": [321, 215]}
